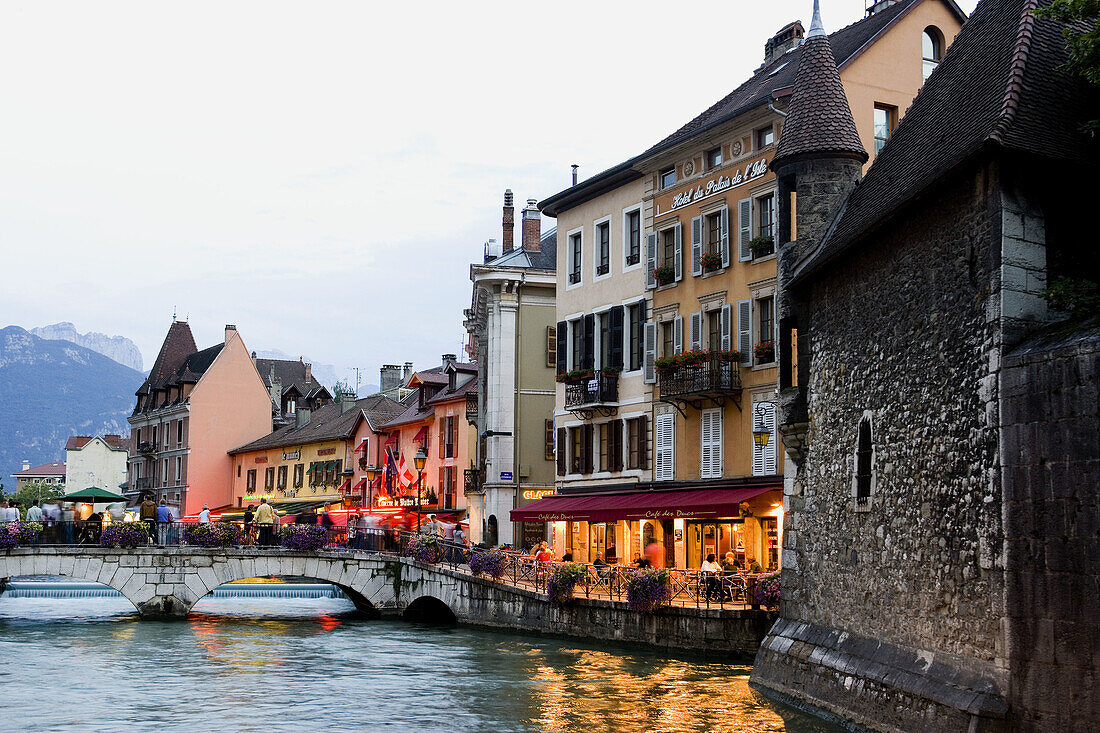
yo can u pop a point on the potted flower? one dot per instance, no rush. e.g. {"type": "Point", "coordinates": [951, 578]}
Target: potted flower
{"type": "Point", "coordinates": [303, 537]}
{"type": "Point", "coordinates": [563, 579]}
{"type": "Point", "coordinates": [649, 590]}
{"type": "Point", "coordinates": [489, 563]}
{"type": "Point", "coordinates": [213, 534]}
{"type": "Point", "coordinates": [729, 355]}
{"type": "Point", "coordinates": [425, 548]}
{"type": "Point", "coordinates": [127, 535]}
{"type": "Point", "coordinates": [761, 246]}
{"type": "Point", "coordinates": [694, 358]}
{"type": "Point", "coordinates": [764, 352]}
{"type": "Point", "coordinates": [610, 371]}
{"type": "Point", "coordinates": [711, 261]}
{"type": "Point", "coordinates": [766, 590]}
{"type": "Point", "coordinates": [14, 534]}
{"type": "Point", "coordinates": [664, 274]}
{"type": "Point", "coordinates": [666, 363]}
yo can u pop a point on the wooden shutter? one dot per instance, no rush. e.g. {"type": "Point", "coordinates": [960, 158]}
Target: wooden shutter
{"type": "Point", "coordinates": [442, 483]}
{"type": "Point", "coordinates": [643, 442]}
{"type": "Point", "coordinates": [724, 327]}
{"type": "Point", "coordinates": [442, 437]}
{"type": "Point", "coordinates": [724, 236]}
{"type": "Point", "coordinates": [710, 423]}
{"type": "Point", "coordinates": [551, 346]}
{"type": "Point", "coordinates": [764, 458]}
{"type": "Point", "coordinates": [454, 436]}
{"type": "Point", "coordinates": [588, 353]}
{"type": "Point", "coordinates": [586, 444]}
{"type": "Point", "coordinates": [697, 330]}
{"type": "Point", "coordinates": [744, 229]}
{"type": "Point", "coordinates": [744, 330]}
{"type": "Point", "coordinates": [548, 439]}
{"type": "Point", "coordinates": [562, 335]}
{"type": "Point", "coordinates": [664, 437]}
{"type": "Point", "coordinates": [561, 451]}
{"type": "Point", "coordinates": [677, 335]}
{"type": "Point", "coordinates": [678, 253]}
{"type": "Point", "coordinates": [697, 246]}
{"type": "Point", "coordinates": [616, 438]}
{"type": "Point", "coordinates": [649, 361]}
{"type": "Point", "coordinates": [615, 333]}
{"type": "Point", "coordinates": [651, 260]}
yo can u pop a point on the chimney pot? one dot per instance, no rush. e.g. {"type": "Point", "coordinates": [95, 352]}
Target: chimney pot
{"type": "Point", "coordinates": [508, 222]}
{"type": "Point", "coordinates": [230, 329]}
{"type": "Point", "coordinates": [532, 226]}
{"type": "Point", "coordinates": [575, 167]}
{"type": "Point", "coordinates": [309, 372]}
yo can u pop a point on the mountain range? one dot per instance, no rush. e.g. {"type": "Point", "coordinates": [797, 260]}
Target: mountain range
{"type": "Point", "coordinates": [51, 389]}
{"type": "Point", "coordinates": [118, 348]}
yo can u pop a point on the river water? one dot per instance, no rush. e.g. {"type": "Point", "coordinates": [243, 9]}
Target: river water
{"type": "Point", "coordinates": [298, 664]}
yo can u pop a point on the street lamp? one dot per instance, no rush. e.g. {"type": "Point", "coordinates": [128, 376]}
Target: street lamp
{"type": "Point", "coordinates": [372, 474]}
{"type": "Point", "coordinates": [760, 432]}
{"type": "Point", "coordinates": [419, 460]}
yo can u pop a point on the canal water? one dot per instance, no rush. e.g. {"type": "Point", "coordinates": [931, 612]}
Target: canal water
{"type": "Point", "coordinates": [270, 664]}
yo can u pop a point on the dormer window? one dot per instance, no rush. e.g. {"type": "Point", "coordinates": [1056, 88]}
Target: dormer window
{"type": "Point", "coordinates": [714, 158]}
{"type": "Point", "coordinates": [668, 177]}
{"type": "Point", "coordinates": [765, 136]}
{"type": "Point", "coordinates": [931, 49]}
{"type": "Point", "coordinates": [291, 407]}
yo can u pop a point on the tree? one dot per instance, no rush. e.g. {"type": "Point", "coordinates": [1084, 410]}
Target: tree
{"type": "Point", "coordinates": [343, 387]}
{"type": "Point", "coordinates": [1082, 33]}
{"type": "Point", "coordinates": [37, 491]}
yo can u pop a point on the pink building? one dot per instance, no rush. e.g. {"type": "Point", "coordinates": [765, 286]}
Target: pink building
{"type": "Point", "coordinates": [193, 408]}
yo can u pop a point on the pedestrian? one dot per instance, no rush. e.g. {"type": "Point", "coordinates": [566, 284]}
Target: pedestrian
{"type": "Point", "coordinates": [147, 513]}
{"type": "Point", "coordinates": [459, 536]}
{"type": "Point", "coordinates": [34, 514]}
{"type": "Point", "coordinates": [204, 515]}
{"type": "Point", "coordinates": [68, 519]}
{"type": "Point", "coordinates": [10, 511]}
{"type": "Point", "coordinates": [249, 523]}
{"type": "Point", "coordinates": [709, 569]}
{"type": "Point", "coordinates": [265, 520]}
{"type": "Point", "coordinates": [164, 521]}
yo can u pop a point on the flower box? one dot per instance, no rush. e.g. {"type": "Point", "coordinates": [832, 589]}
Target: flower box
{"type": "Point", "coordinates": [711, 261]}
{"type": "Point", "coordinates": [649, 590]}
{"type": "Point", "coordinates": [664, 274]}
{"type": "Point", "coordinates": [761, 246]}
{"type": "Point", "coordinates": [563, 579]}
{"type": "Point", "coordinates": [764, 352]}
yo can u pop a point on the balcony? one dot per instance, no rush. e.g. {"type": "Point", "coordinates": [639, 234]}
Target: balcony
{"type": "Point", "coordinates": [146, 447]}
{"type": "Point", "coordinates": [592, 392]}
{"type": "Point", "coordinates": [574, 278]}
{"type": "Point", "coordinates": [471, 409]}
{"type": "Point", "coordinates": [713, 381]}
{"type": "Point", "coordinates": [142, 484]}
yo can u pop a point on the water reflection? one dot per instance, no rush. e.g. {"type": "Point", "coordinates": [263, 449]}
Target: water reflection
{"type": "Point", "coordinates": [281, 664]}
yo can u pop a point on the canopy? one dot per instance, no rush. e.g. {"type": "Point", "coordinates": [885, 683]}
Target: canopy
{"type": "Point", "coordinates": [421, 434]}
{"type": "Point", "coordinates": [391, 439]}
{"type": "Point", "coordinates": [93, 494]}
{"type": "Point", "coordinates": [312, 466]}
{"type": "Point", "coordinates": [362, 482]}
{"type": "Point", "coordinates": [362, 445]}
{"type": "Point", "coordinates": [293, 507]}
{"type": "Point", "coordinates": [684, 504]}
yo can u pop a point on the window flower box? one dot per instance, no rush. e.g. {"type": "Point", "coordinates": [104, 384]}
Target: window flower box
{"type": "Point", "coordinates": [711, 261]}
{"type": "Point", "coordinates": [664, 274]}
{"type": "Point", "coordinates": [764, 352]}
{"type": "Point", "coordinates": [761, 246]}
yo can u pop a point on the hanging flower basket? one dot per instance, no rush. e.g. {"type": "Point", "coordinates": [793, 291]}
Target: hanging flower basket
{"type": "Point", "coordinates": [649, 590]}
{"type": "Point", "coordinates": [127, 535]}
{"type": "Point", "coordinates": [15, 534]}
{"type": "Point", "coordinates": [214, 534]}
{"type": "Point", "coordinates": [425, 548]}
{"type": "Point", "coordinates": [489, 563]}
{"type": "Point", "coordinates": [303, 537]}
{"type": "Point", "coordinates": [563, 579]}
{"type": "Point", "coordinates": [766, 592]}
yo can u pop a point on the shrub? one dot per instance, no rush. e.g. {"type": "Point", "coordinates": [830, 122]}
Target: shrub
{"type": "Point", "coordinates": [303, 537]}
{"type": "Point", "coordinates": [563, 579]}
{"type": "Point", "coordinates": [648, 590]}
{"type": "Point", "coordinates": [425, 548]}
{"type": "Point", "coordinates": [215, 534]}
{"type": "Point", "coordinates": [766, 591]}
{"type": "Point", "coordinates": [124, 534]}
{"type": "Point", "coordinates": [14, 534]}
{"type": "Point", "coordinates": [489, 563]}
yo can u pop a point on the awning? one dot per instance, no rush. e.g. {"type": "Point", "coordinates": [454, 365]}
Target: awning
{"type": "Point", "coordinates": [345, 486]}
{"type": "Point", "coordinates": [684, 504]}
{"type": "Point", "coordinates": [293, 507]}
{"type": "Point", "coordinates": [421, 434]}
{"type": "Point", "coordinates": [311, 467]}
{"type": "Point", "coordinates": [362, 446]}
{"type": "Point", "coordinates": [377, 482]}
{"type": "Point", "coordinates": [392, 439]}
{"type": "Point", "coordinates": [359, 486]}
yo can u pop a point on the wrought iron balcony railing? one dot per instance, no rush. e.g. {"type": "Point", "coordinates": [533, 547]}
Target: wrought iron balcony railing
{"type": "Point", "coordinates": [146, 447]}
{"type": "Point", "coordinates": [471, 480]}
{"type": "Point", "coordinates": [602, 388]}
{"type": "Point", "coordinates": [471, 409]}
{"type": "Point", "coordinates": [710, 378]}
{"type": "Point", "coordinates": [143, 483]}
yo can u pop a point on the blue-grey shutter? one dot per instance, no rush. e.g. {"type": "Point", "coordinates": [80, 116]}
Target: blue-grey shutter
{"type": "Point", "coordinates": [677, 335]}
{"type": "Point", "coordinates": [744, 229]}
{"type": "Point", "coordinates": [744, 330]}
{"type": "Point", "coordinates": [651, 260]}
{"type": "Point", "coordinates": [697, 330]}
{"type": "Point", "coordinates": [725, 236]}
{"type": "Point", "coordinates": [615, 333]}
{"type": "Point", "coordinates": [724, 324]}
{"type": "Point", "coordinates": [649, 361]}
{"type": "Point", "coordinates": [679, 253]}
{"type": "Point", "coordinates": [697, 246]}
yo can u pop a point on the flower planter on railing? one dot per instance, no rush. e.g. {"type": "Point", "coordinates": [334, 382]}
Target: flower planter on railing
{"type": "Point", "coordinates": [16, 534]}
{"type": "Point", "coordinates": [126, 535]}
{"type": "Point", "coordinates": [213, 534]}
{"type": "Point", "coordinates": [599, 387]}
{"type": "Point", "coordinates": [714, 372]}
{"type": "Point", "coordinates": [563, 579]}
{"type": "Point", "coordinates": [648, 590]}
{"type": "Point", "coordinates": [303, 537]}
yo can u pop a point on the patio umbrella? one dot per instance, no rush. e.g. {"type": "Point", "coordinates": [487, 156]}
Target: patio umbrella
{"type": "Point", "coordinates": [93, 494]}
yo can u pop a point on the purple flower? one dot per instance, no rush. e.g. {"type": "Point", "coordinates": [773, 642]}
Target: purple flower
{"type": "Point", "coordinates": [214, 534]}
{"type": "Point", "coordinates": [424, 548]}
{"type": "Point", "coordinates": [303, 537]}
{"type": "Point", "coordinates": [124, 534]}
{"type": "Point", "coordinates": [648, 590]}
{"type": "Point", "coordinates": [489, 563]}
{"type": "Point", "coordinates": [563, 579]}
{"type": "Point", "coordinates": [766, 591]}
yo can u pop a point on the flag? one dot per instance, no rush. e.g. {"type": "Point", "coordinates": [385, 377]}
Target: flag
{"type": "Point", "coordinates": [390, 472]}
{"type": "Point", "coordinates": [405, 475]}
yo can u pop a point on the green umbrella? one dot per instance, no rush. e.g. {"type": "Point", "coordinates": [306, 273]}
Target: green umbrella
{"type": "Point", "coordinates": [93, 494]}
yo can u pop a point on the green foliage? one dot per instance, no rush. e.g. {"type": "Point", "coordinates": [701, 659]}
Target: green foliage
{"type": "Point", "coordinates": [1076, 296]}
{"type": "Point", "coordinates": [1082, 34]}
{"type": "Point", "coordinates": [37, 491]}
{"type": "Point", "coordinates": [343, 387]}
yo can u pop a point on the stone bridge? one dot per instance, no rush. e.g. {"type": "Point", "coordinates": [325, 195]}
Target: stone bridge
{"type": "Point", "coordinates": [165, 583]}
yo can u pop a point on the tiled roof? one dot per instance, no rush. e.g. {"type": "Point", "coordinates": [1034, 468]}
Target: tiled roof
{"type": "Point", "coordinates": [290, 373]}
{"type": "Point", "coordinates": [413, 413]}
{"type": "Point", "coordinates": [76, 442]}
{"type": "Point", "coordinates": [1001, 84]}
{"type": "Point", "coordinates": [820, 120]}
{"type": "Point", "coordinates": [177, 346]}
{"type": "Point", "coordinates": [326, 423]}
{"type": "Point", "coordinates": [46, 469]}
{"type": "Point", "coordinates": [545, 259]}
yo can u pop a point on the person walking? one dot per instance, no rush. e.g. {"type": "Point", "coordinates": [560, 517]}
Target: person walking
{"type": "Point", "coordinates": [164, 521]}
{"type": "Point", "coordinates": [68, 517]}
{"type": "Point", "coordinates": [265, 520]}
{"type": "Point", "coordinates": [34, 513]}
{"type": "Point", "coordinates": [249, 524]}
{"type": "Point", "coordinates": [204, 515]}
{"type": "Point", "coordinates": [147, 513]}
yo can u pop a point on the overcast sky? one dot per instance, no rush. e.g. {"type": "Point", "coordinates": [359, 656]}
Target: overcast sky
{"type": "Point", "coordinates": [321, 174]}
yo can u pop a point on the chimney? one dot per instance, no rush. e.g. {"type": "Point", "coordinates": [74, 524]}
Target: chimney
{"type": "Point", "coordinates": [309, 372]}
{"type": "Point", "coordinates": [347, 401]}
{"type": "Point", "coordinates": [448, 359]}
{"type": "Point", "coordinates": [301, 416]}
{"type": "Point", "coordinates": [408, 372]}
{"type": "Point", "coordinates": [26, 466]}
{"type": "Point", "coordinates": [509, 221]}
{"type": "Point", "coordinates": [253, 357]}
{"type": "Point", "coordinates": [390, 377]}
{"type": "Point", "coordinates": [788, 37]}
{"type": "Point", "coordinates": [532, 226]}
{"type": "Point", "coordinates": [492, 250]}
{"type": "Point", "coordinates": [575, 167]}
{"type": "Point", "coordinates": [230, 329]}
{"type": "Point", "coordinates": [876, 5]}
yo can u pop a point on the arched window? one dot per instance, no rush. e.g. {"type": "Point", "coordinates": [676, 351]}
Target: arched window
{"type": "Point", "coordinates": [931, 49]}
{"type": "Point", "coordinates": [864, 455]}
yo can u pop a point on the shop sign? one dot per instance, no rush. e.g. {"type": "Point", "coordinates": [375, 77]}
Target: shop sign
{"type": "Point", "coordinates": [261, 459]}
{"type": "Point", "coordinates": [257, 497]}
{"type": "Point", "coordinates": [714, 186]}
{"type": "Point", "coordinates": [505, 475]}
{"type": "Point", "coordinates": [558, 517]}
{"type": "Point", "coordinates": [394, 501]}
{"type": "Point", "coordinates": [535, 494]}
{"type": "Point", "coordinates": [292, 455]}
{"type": "Point", "coordinates": [676, 513]}
{"type": "Point", "coordinates": [326, 452]}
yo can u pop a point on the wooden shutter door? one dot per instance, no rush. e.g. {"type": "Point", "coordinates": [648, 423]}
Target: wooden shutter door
{"type": "Point", "coordinates": [705, 441]}
{"type": "Point", "coordinates": [454, 436]}
{"type": "Point", "coordinates": [651, 260]}
{"type": "Point", "coordinates": [442, 483]}
{"type": "Point", "coordinates": [744, 229]}
{"type": "Point", "coordinates": [649, 361]}
{"type": "Point", "coordinates": [442, 437]}
{"type": "Point", "coordinates": [771, 450]}
{"type": "Point", "coordinates": [697, 330]}
{"type": "Point", "coordinates": [560, 451]}
{"type": "Point", "coordinates": [724, 245]}
{"type": "Point", "coordinates": [643, 442]}
{"type": "Point", "coordinates": [744, 330]}
{"type": "Point", "coordinates": [697, 246]}
{"type": "Point", "coordinates": [664, 436]}
{"type": "Point", "coordinates": [615, 333]}
{"type": "Point", "coordinates": [679, 253]}
{"type": "Point", "coordinates": [586, 438]}
{"type": "Point", "coordinates": [616, 435]}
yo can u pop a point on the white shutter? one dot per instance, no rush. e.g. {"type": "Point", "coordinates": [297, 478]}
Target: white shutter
{"type": "Point", "coordinates": [649, 362]}
{"type": "Point", "coordinates": [677, 334]}
{"type": "Point", "coordinates": [744, 330]}
{"type": "Point", "coordinates": [724, 322]}
{"type": "Point", "coordinates": [664, 447]}
{"type": "Point", "coordinates": [764, 458]}
{"type": "Point", "coordinates": [775, 220]}
{"type": "Point", "coordinates": [744, 229]}
{"type": "Point", "coordinates": [651, 260]}
{"type": "Point", "coordinates": [679, 253]}
{"type": "Point", "coordinates": [725, 236]}
{"type": "Point", "coordinates": [704, 443]}
{"type": "Point", "coordinates": [710, 460]}
{"type": "Point", "coordinates": [697, 246]}
{"type": "Point", "coordinates": [697, 330]}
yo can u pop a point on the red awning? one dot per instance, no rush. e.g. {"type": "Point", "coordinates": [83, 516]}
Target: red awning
{"type": "Point", "coordinates": [345, 486]}
{"type": "Point", "coordinates": [421, 434]}
{"type": "Point", "coordinates": [360, 485]}
{"type": "Point", "coordinates": [684, 504]}
{"type": "Point", "coordinates": [392, 439]}
{"type": "Point", "coordinates": [362, 446]}
{"type": "Point", "coordinates": [377, 483]}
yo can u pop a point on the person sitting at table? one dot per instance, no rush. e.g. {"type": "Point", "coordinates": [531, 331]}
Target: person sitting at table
{"type": "Point", "coordinates": [603, 569]}
{"type": "Point", "coordinates": [754, 566]}
{"type": "Point", "coordinates": [640, 562]}
{"type": "Point", "coordinates": [729, 563]}
{"type": "Point", "coordinates": [567, 557]}
{"type": "Point", "coordinates": [544, 553]}
{"type": "Point", "coordinates": [710, 571]}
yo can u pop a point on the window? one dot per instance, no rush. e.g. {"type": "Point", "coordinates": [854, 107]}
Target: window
{"type": "Point", "coordinates": [765, 215]}
{"type": "Point", "coordinates": [576, 330]}
{"type": "Point", "coordinates": [668, 248]}
{"type": "Point", "coordinates": [668, 177]}
{"type": "Point", "coordinates": [299, 475]}
{"type": "Point", "coordinates": [603, 248]}
{"type": "Point", "coordinates": [765, 322]}
{"type": "Point", "coordinates": [864, 454]}
{"type": "Point", "coordinates": [763, 456]}
{"type": "Point", "coordinates": [282, 477]}
{"type": "Point", "coordinates": [714, 158]}
{"type": "Point", "coordinates": [179, 470]}
{"type": "Point", "coordinates": [636, 439]}
{"type": "Point", "coordinates": [637, 337]}
{"type": "Point", "coordinates": [269, 478]}
{"type": "Point", "coordinates": [765, 136]}
{"type": "Point", "coordinates": [714, 330]}
{"type": "Point", "coordinates": [179, 433]}
{"type": "Point", "coordinates": [668, 337]}
{"type": "Point", "coordinates": [167, 435]}
{"type": "Point", "coordinates": [664, 447]}
{"type": "Point", "coordinates": [603, 438]}
{"type": "Point", "coordinates": [604, 326]}
{"type": "Point", "coordinates": [710, 441]}
{"type": "Point", "coordinates": [250, 480]}
{"type": "Point", "coordinates": [580, 440]}
{"type": "Point", "coordinates": [291, 407]}
{"type": "Point", "coordinates": [164, 477]}
{"type": "Point", "coordinates": [713, 242]}
{"type": "Point", "coordinates": [551, 346]}
{"type": "Point", "coordinates": [548, 440]}
{"type": "Point", "coordinates": [449, 438]}
{"type": "Point", "coordinates": [632, 229]}
{"type": "Point", "coordinates": [575, 258]}
{"type": "Point", "coordinates": [885, 119]}
{"type": "Point", "coordinates": [931, 49]}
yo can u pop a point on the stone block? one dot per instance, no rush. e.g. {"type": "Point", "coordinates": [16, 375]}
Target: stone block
{"type": "Point", "coordinates": [143, 594]}
{"type": "Point", "coordinates": [207, 577]}
{"type": "Point", "coordinates": [65, 567]}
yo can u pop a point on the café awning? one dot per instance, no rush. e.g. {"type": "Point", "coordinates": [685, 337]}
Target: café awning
{"type": "Point", "coordinates": [693, 504]}
{"type": "Point", "coordinates": [392, 439]}
{"type": "Point", "coordinates": [421, 434]}
{"type": "Point", "coordinates": [359, 486]}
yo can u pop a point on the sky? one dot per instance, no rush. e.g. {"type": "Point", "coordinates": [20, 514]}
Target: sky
{"type": "Point", "coordinates": [322, 174]}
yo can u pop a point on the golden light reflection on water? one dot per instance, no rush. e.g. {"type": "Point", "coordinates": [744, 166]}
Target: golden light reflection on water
{"type": "Point", "coordinates": [256, 643]}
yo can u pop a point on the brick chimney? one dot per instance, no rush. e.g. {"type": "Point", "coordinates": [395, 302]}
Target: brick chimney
{"type": "Point", "coordinates": [532, 226]}
{"type": "Point", "coordinates": [390, 377]}
{"type": "Point", "coordinates": [788, 37]}
{"type": "Point", "coordinates": [309, 372]}
{"type": "Point", "coordinates": [230, 329]}
{"type": "Point", "coordinates": [509, 221]}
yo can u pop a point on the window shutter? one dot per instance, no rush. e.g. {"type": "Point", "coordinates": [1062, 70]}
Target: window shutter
{"type": "Point", "coordinates": [551, 346]}
{"type": "Point", "coordinates": [764, 459]}
{"type": "Point", "coordinates": [775, 219]}
{"type": "Point", "coordinates": [586, 455]}
{"type": "Point", "coordinates": [560, 451]}
{"type": "Point", "coordinates": [677, 334]}
{"type": "Point", "coordinates": [588, 356]}
{"type": "Point", "coordinates": [643, 442]}
{"type": "Point", "coordinates": [697, 330]}
{"type": "Point", "coordinates": [454, 437]}
{"type": "Point", "coordinates": [615, 333]}
{"type": "Point", "coordinates": [711, 443]}
{"type": "Point", "coordinates": [704, 443]}
{"type": "Point", "coordinates": [442, 482]}
{"type": "Point", "coordinates": [649, 363]}
{"type": "Point", "coordinates": [664, 460]}
{"type": "Point", "coordinates": [615, 434]}
{"type": "Point", "coordinates": [744, 330]}
{"type": "Point", "coordinates": [724, 327]}
{"type": "Point", "coordinates": [744, 227]}
{"type": "Point", "coordinates": [651, 260]}
{"type": "Point", "coordinates": [679, 253]}
{"type": "Point", "coordinates": [696, 246]}
{"type": "Point", "coordinates": [725, 236]}
{"type": "Point", "coordinates": [442, 438]}
{"type": "Point", "coordinates": [562, 336]}
{"type": "Point", "coordinates": [548, 439]}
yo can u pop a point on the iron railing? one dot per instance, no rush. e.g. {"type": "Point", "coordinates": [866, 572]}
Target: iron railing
{"type": "Point", "coordinates": [601, 389]}
{"type": "Point", "coordinates": [471, 409]}
{"type": "Point", "coordinates": [145, 447]}
{"type": "Point", "coordinates": [710, 377]}
{"type": "Point", "coordinates": [471, 480]}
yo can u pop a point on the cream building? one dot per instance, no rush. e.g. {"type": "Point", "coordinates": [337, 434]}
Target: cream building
{"type": "Point", "coordinates": [95, 461]}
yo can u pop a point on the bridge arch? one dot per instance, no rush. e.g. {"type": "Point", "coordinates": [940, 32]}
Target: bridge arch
{"type": "Point", "coordinates": [87, 567]}
{"type": "Point", "coordinates": [430, 610]}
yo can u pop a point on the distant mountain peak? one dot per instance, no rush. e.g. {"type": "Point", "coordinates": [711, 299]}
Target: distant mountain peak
{"type": "Point", "coordinates": [116, 348]}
